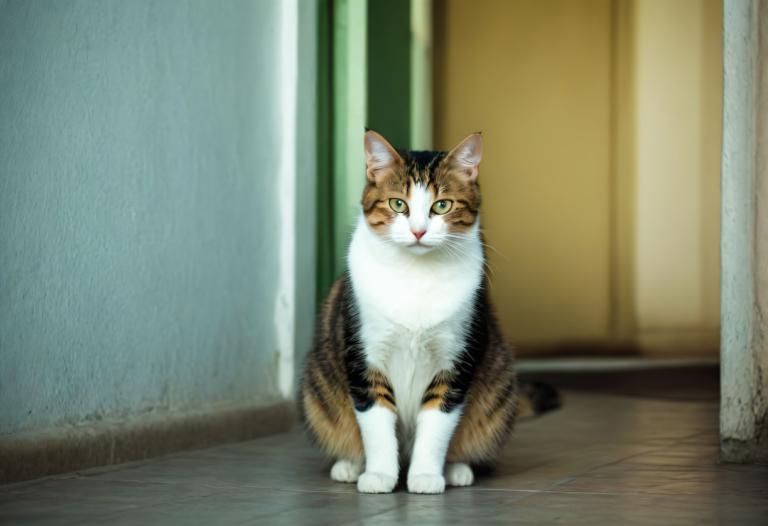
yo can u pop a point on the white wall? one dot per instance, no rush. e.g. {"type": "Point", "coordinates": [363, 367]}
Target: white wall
{"type": "Point", "coordinates": [142, 155]}
{"type": "Point", "coordinates": [744, 355]}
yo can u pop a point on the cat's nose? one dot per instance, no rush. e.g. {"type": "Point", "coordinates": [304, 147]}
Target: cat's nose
{"type": "Point", "coordinates": [419, 234]}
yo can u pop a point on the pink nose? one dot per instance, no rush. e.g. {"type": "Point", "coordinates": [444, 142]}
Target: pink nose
{"type": "Point", "coordinates": [419, 234]}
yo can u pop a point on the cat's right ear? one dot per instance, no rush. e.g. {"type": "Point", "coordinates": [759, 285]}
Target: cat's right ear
{"type": "Point", "coordinates": [380, 157]}
{"type": "Point", "coordinates": [465, 158]}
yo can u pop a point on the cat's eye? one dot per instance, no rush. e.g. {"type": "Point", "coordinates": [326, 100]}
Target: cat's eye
{"type": "Point", "coordinates": [443, 206]}
{"type": "Point", "coordinates": [398, 205]}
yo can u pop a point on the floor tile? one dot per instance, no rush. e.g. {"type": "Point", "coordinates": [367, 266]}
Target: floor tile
{"type": "Point", "coordinates": [601, 459]}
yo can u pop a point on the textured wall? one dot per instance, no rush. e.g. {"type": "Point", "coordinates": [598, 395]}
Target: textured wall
{"type": "Point", "coordinates": [744, 247]}
{"type": "Point", "coordinates": [137, 207]}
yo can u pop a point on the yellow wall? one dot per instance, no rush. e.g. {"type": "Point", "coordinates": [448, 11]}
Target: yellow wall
{"type": "Point", "coordinates": [678, 88]}
{"type": "Point", "coordinates": [535, 78]}
{"type": "Point", "coordinates": [601, 165]}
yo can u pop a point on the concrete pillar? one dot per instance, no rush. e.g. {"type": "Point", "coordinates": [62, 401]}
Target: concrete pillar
{"type": "Point", "coordinates": [744, 246]}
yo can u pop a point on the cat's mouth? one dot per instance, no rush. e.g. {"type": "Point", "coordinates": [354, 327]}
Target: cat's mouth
{"type": "Point", "coordinates": [419, 247]}
{"type": "Point", "coordinates": [419, 244]}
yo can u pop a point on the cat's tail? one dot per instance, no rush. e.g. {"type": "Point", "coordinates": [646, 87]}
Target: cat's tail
{"type": "Point", "coordinates": [537, 398]}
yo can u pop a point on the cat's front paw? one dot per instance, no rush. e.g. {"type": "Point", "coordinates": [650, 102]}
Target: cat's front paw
{"type": "Point", "coordinates": [371, 482]}
{"type": "Point", "coordinates": [426, 483]}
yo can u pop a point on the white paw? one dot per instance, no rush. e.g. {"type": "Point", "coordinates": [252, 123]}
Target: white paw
{"type": "Point", "coordinates": [376, 483]}
{"type": "Point", "coordinates": [346, 471]}
{"type": "Point", "coordinates": [459, 474]}
{"type": "Point", "coordinates": [426, 483]}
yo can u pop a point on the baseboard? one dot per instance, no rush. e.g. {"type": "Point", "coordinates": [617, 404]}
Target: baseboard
{"type": "Point", "coordinates": [743, 451]}
{"type": "Point", "coordinates": [702, 342]}
{"type": "Point", "coordinates": [32, 455]}
{"type": "Point", "coordinates": [680, 343]}
{"type": "Point", "coordinates": [594, 364]}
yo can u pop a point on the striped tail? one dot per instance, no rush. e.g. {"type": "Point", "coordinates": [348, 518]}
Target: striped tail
{"type": "Point", "coordinates": [537, 398]}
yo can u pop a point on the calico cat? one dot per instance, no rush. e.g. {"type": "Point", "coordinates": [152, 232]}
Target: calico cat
{"type": "Point", "coordinates": [409, 365]}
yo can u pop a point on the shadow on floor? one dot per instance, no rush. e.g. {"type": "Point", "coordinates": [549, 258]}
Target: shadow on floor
{"type": "Point", "coordinates": [701, 382]}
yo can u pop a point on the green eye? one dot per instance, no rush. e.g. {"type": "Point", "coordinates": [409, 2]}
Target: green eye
{"type": "Point", "coordinates": [442, 206]}
{"type": "Point", "coordinates": [398, 205]}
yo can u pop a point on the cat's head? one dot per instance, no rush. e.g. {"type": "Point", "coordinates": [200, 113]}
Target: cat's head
{"type": "Point", "coordinates": [422, 201]}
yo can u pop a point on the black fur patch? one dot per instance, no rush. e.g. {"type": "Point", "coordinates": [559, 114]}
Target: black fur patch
{"type": "Point", "coordinates": [474, 350]}
{"type": "Point", "coordinates": [354, 357]}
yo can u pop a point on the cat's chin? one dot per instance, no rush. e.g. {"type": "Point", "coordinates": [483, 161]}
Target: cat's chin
{"type": "Point", "coordinates": [419, 248]}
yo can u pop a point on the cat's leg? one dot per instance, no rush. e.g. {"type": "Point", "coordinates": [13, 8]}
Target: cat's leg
{"type": "Point", "coordinates": [489, 414]}
{"type": "Point", "coordinates": [376, 415]}
{"type": "Point", "coordinates": [345, 470]}
{"type": "Point", "coordinates": [377, 426]}
{"type": "Point", "coordinates": [329, 412]}
{"type": "Point", "coordinates": [441, 409]}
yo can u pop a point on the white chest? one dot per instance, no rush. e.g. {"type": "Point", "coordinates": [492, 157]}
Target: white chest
{"type": "Point", "coordinates": [414, 312]}
{"type": "Point", "coordinates": [410, 359]}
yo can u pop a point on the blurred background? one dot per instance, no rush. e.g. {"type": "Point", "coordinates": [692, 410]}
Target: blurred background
{"type": "Point", "coordinates": [179, 179]}
{"type": "Point", "coordinates": [600, 176]}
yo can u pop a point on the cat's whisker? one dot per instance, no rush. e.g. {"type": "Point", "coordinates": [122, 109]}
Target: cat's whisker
{"type": "Point", "coordinates": [461, 251]}
{"type": "Point", "coordinates": [482, 241]}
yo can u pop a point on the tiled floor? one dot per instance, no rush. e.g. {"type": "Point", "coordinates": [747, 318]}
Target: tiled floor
{"type": "Point", "coordinates": [603, 459]}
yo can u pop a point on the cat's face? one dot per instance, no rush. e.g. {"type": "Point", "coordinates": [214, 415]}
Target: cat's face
{"type": "Point", "coordinates": [422, 201]}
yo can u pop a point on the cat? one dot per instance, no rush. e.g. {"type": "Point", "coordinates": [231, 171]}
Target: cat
{"type": "Point", "coordinates": [409, 365]}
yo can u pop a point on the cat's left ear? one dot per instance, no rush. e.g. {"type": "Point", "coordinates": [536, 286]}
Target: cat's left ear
{"type": "Point", "coordinates": [465, 157]}
{"type": "Point", "coordinates": [380, 156]}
